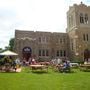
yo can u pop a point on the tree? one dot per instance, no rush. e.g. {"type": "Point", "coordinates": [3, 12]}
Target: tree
{"type": "Point", "coordinates": [11, 44]}
{"type": "Point", "coordinates": [1, 50]}
{"type": "Point", "coordinates": [6, 48]}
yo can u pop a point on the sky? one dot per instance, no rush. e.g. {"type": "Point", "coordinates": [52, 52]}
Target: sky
{"type": "Point", "coordinates": [33, 15]}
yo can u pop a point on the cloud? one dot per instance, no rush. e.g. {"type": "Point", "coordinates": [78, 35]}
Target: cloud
{"type": "Point", "coordinates": [41, 15]}
{"type": "Point", "coordinates": [7, 20]}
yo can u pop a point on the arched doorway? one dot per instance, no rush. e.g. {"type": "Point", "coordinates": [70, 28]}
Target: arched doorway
{"type": "Point", "coordinates": [26, 52]}
{"type": "Point", "coordinates": [86, 54]}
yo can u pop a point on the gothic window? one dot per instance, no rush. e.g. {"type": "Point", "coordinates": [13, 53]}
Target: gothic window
{"type": "Point", "coordinates": [64, 53]}
{"type": "Point", "coordinates": [60, 40]}
{"type": "Point", "coordinates": [39, 39]}
{"type": "Point", "coordinates": [57, 52]}
{"type": "Point", "coordinates": [40, 53]}
{"type": "Point", "coordinates": [71, 20]}
{"type": "Point", "coordinates": [47, 53]}
{"type": "Point", "coordinates": [44, 39]}
{"type": "Point", "coordinates": [72, 46]}
{"type": "Point", "coordinates": [61, 53]}
{"type": "Point", "coordinates": [43, 52]}
{"type": "Point", "coordinates": [86, 18]}
{"type": "Point", "coordinates": [87, 36]}
{"type": "Point", "coordinates": [84, 37]}
{"type": "Point", "coordinates": [64, 40]}
{"type": "Point", "coordinates": [81, 18]}
{"type": "Point", "coordinates": [57, 40]}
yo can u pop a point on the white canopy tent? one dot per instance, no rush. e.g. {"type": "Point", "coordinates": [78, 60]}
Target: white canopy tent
{"type": "Point", "coordinates": [8, 53]}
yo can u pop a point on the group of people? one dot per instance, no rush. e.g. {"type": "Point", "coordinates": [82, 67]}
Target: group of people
{"type": "Point", "coordinates": [62, 65]}
{"type": "Point", "coordinates": [7, 63]}
{"type": "Point", "coordinates": [29, 61]}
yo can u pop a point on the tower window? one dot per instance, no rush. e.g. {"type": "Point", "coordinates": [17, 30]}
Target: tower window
{"type": "Point", "coordinates": [81, 18]}
{"type": "Point", "coordinates": [72, 46]}
{"type": "Point", "coordinates": [69, 21]}
{"type": "Point", "coordinates": [87, 36]}
{"type": "Point", "coordinates": [84, 37]}
{"type": "Point", "coordinates": [86, 18]}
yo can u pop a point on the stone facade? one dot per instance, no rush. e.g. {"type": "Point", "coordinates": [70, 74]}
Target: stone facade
{"type": "Point", "coordinates": [78, 29]}
{"type": "Point", "coordinates": [71, 44]}
{"type": "Point", "coordinates": [44, 45]}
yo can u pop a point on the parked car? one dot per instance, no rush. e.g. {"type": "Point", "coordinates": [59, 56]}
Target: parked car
{"type": "Point", "coordinates": [74, 65]}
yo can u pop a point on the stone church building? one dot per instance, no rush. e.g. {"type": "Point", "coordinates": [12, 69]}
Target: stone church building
{"type": "Point", "coordinates": [74, 44]}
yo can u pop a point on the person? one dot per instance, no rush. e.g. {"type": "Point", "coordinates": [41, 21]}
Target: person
{"type": "Point", "coordinates": [24, 61]}
{"type": "Point", "coordinates": [89, 61]}
{"type": "Point", "coordinates": [65, 66]}
{"type": "Point", "coordinates": [14, 65]}
{"type": "Point", "coordinates": [30, 59]}
{"type": "Point", "coordinates": [33, 61]}
{"type": "Point", "coordinates": [85, 62]}
{"type": "Point", "coordinates": [59, 61]}
{"type": "Point", "coordinates": [27, 63]}
{"type": "Point", "coordinates": [18, 63]}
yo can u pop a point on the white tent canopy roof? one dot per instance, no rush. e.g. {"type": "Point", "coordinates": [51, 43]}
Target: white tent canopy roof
{"type": "Point", "coordinates": [8, 53]}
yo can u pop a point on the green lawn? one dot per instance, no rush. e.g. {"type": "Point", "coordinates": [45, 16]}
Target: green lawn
{"type": "Point", "coordinates": [26, 80]}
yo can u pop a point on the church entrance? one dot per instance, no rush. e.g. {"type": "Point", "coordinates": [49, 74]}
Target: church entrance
{"type": "Point", "coordinates": [86, 55]}
{"type": "Point", "coordinates": [26, 52]}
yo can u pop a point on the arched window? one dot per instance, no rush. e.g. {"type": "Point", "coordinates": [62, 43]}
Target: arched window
{"type": "Point", "coordinates": [86, 18]}
{"type": "Point", "coordinates": [81, 18]}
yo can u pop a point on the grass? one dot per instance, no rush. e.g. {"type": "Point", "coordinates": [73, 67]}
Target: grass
{"type": "Point", "coordinates": [26, 80]}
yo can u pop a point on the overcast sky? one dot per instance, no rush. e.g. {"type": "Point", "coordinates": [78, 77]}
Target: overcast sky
{"type": "Point", "coordinates": [36, 15]}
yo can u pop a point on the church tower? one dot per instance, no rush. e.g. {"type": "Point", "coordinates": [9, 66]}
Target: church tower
{"type": "Point", "coordinates": [78, 29]}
